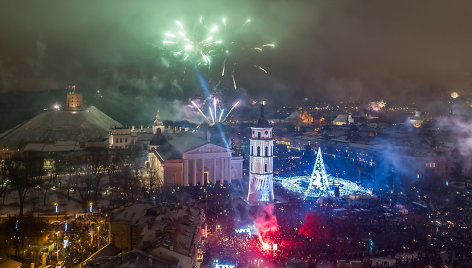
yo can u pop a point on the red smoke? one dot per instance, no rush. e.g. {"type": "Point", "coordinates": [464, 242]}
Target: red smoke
{"type": "Point", "coordinates": [314, 227]}
{"type": "Point", "coordinates": [266, 225]}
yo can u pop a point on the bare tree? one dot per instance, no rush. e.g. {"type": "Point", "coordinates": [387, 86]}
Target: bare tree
{"type": "Point", "coordinates": [128, 179]}
{"type": "Point", "coordinates": [51, 172]}
{"type": "Point", "coordinates": [71, 168]}
{"type": "Point", "coordinates": [89, 179]}
{"type": "Point", "coordinates": [3, 181]}
{"type": "Point", "coordinates": [24, 172]}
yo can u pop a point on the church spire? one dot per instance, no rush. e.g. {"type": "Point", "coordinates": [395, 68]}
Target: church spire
{"type": "Point", "coordinates": [262, 122]}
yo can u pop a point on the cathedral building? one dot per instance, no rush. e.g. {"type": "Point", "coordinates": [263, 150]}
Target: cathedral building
{"type": "Point", "coordinates": [186, 159]}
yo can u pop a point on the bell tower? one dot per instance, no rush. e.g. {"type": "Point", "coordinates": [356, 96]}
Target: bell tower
{"type": "Point", "coordinates": [158, 126]}
{"type": "Point", "coordinates": [261, 187]}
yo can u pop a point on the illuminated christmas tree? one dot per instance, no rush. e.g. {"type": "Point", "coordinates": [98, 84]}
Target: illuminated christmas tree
{"type": "Point", "coordinates": [319, 179]}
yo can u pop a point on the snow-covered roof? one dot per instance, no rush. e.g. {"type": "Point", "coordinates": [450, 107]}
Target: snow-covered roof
{"type": "Point", "coordinates": [171, 226]}
{"type": "Point", "coordinates": [54, 126]}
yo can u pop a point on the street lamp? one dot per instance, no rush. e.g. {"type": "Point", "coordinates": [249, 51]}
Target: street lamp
{"type": "Point", "coordinates": [56, 208]}
{"type": "Point", "coordinates": [98, 236]}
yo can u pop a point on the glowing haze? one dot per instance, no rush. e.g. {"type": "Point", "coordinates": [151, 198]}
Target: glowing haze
{"type": "Point", "coordinates": [325, 49]}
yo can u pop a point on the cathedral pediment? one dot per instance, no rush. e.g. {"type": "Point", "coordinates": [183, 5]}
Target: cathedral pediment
{"type": "Point", "coordinates": [208, 148]}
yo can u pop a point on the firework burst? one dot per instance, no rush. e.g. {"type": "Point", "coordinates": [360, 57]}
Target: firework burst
{"type": "Point", "coordinates": [377, 105]}
{"type": "Point", "coordinates": [197, 45]}
{"type": "Point", "coordinates": [215, 46]}
{"type": "Point", "coordinates": [216, 110]}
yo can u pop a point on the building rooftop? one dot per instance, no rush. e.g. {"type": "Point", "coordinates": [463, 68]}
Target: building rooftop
{"type": "Point", "coordinates": [60, 126]}
{"type": "Point", "coordinates": [171, 225]}
{"type": "Point", "coordinates": [134, 258]}
{"type": "Point", "coordinates": [172, 147]}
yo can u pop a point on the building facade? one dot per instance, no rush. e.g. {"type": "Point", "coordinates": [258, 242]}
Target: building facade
{"type": "Point", "coordinates": [121, 138]}
{"type": "Point", "coordinates": [188, 160]}
{"type": "Point", "coordinates": [261, 187]}
{"type": "Point", "coordinates": [75, 101]}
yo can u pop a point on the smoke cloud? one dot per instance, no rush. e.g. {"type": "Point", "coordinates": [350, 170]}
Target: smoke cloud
{"type": "Point", "coordinates": [324, 50]}
{"type": "Point", "coordinates": [266, 223]}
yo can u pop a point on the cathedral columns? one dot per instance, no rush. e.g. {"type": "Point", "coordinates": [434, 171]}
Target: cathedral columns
{"type": "Point", "coordinates": [185, 172]}
{"type": "Point", "coordinates": [202, 172]}
{"type": "Point", "coordinates": [229, 169]}
{"type": "Point", "coordinates": [213, 170]}
{"type": "Point", "coordinates": [194, 172]}
{"type": "Point", "coordinates": [217, 165]}
{"type": "Point", "coordinates": [222, 170]}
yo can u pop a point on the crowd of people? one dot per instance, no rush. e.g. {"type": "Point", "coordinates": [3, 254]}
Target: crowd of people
{"type": "Point", "coordinates": [86, 234]}
{"type": "Point", "coordinates": [379, 231]}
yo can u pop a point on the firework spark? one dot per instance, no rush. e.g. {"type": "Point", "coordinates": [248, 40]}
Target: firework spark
{"type": "Point", "coordinates": [234, 81]}
{"type": "Point", "coordinates": [197, 46]}
{"type": "Point", "coordinates": [224, 66]}
{"type": "Point", "coordinates": [213, 45]}
{"type": "Point", "coordinates": [260, 68]}
{"type": "Point", "coordinates": [230, 110]}
{"type": "Point", "coordinates": [216, 111]}
{"type": "Point", "coordinates": [214, 106]}
{"type": "Point", "coordinates": [201, 112]}
{"type": "Point", "coordinates": [377, 105]}
{"type": "Point", "coordinates": [211, 114]}
{"type": "Point", "coordinates": [221, 114]}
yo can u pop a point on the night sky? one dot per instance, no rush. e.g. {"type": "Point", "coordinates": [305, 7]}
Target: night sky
{"type": "Point", "coordinates": [326, 50]}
